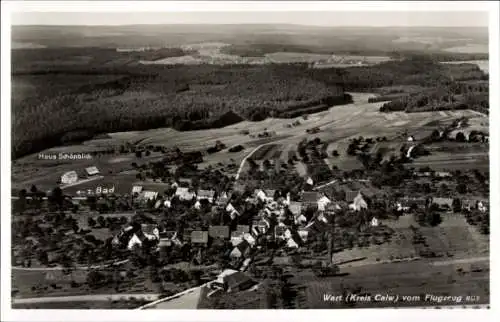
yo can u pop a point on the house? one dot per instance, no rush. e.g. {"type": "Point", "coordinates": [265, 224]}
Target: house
{"type": "Point", "coordinates": [295, 208]}
{"type": "Point", "coordinates": [310, 181]}
{"type": "Point", "coordinates": [279, 231]}
{"type": "Point", "coordinates": [242, 249]}
{"type": "Point", "coordinates": [303, 233]}
{"type": "Point", "coordinates": [261, 226]}
{"type": "Point", "coordinates": [292, 243]}
{"type": "Point", "coordinates": [443, 202]}
{"type": "Point", "coordinates": [169, 238]}
{"type": "Point", "coordinates": [185, 182]}
{"type": "Point", "coordinates": [223, 199]}
{"type": "Point", "coordinates": [136, 189]}
{"type": "Point", "coordinates": [350, 195]}
{"type": "Point", "coordinates": [233, 213]}
{"type": "Point", "coordinates": [151, 231]}
{"type": "Point", "coordinates": [149, 195]}
{"type": "Point", "coordinates": [167, 203]}
{"type": "Point", "coordinates": [482, 206]}
{"type": "Point", "coordinates": [236, 237]}
{"type": "Point", "coordinates": [411, 138]}
{"type": "Point", "coordinates": [316, 226]}
{"type": "Point", "coordinates": [69, 177]}
{"type": "Point", "coordinates": [158, 204]}
{"type": "Point", "coordinates": [310, 198]}
{"type": "Point", "coordinates": [300, 219]}
{"type": "Point", "coordinates": [468, 204]}
{"type": "Point", "coordinates": [250, 239]}
{"type": "Point", "coordinates": [323, 202]}
{"type": "Point", "coordinates": [270, 193]}
{"type": "Point", "coordinates": [260, 195]}
{"type": "Point", "coordinates": [232, 281]}
{"type": "Point", "coordinates": [442, 174]}
{"type": "Point", "coordinates": [197, 205]}
{"type": "Point", "coordinates": [92, 171]}
{"type": "Point", "coordinates": [374, 222]}
{"type": "Point", "coordinates": [218, 232]}
{"type": "Point", "coordinates": [199, 237]}
{"type": "Point", "coordinates": [184, 194]}
{"type": "Point", "coordinates": [358, 203]}
{"type": "Point", "coordinates": [206, 195]}
{"type": "Point", "coordinates": [243, 228]}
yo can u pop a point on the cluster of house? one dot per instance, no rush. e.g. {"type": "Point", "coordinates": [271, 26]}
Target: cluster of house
{"type": "Point", "coordinates": [71, 177]}
{"type": "Point", "coordinates": [405, 204]}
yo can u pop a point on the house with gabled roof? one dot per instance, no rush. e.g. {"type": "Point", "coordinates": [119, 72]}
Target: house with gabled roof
{"type": "Point", "coordinates": [223, 199]}
{"type": "Point", "coordinates": [149, 195]}
{"type": "Point", "coordinates": [205, 195]}
{"type": "Point", "coordinates": [233, 213]}
{"type": "Point", "coordinates": [295, 208]}
{"type": "Point", "coordinates": [92, 171]}
{"type": "Point", "coordinates": [221, 232]}
{"type": "Point", "coordinates": [69, 177]}
{"type": "Point", "coordinates": [136, 189]}
{"type": "Point", "coordinates": [358, 203]}
{"type": "Point", "coordinates": [350, 195]}
{"type": "Point", "coordinates": [184, 194]}
{"type": "Point", "coordinates": [243, 228]}
{"type": "Point", "coordinates": [310, 198]}
{"type": "Point", "coordinates": [261, 226]}
{"type": "Point", "coordinates": [270, 193]}
{"type": "Point", "coordinates": [199, 237]}
{"type": "Point", "coordinates": [242, 249]}
{"type": "Point", "coordinates": [323, 202]}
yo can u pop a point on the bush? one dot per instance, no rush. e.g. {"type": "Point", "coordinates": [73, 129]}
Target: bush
{"type": "Point", "coordinates": [236, 148]}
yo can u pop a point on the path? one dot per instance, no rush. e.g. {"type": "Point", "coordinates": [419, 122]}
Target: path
{"type": "Point", "coordinates": [59, 268]}
{"type": "Point", "coordinates": [246, 158]}
{"type": "Point", "coordinates": [82, 298]}
{"type": "Point", "coordinates": [81, 182]}
{"type": "Point", "coordinates": [187, 299]}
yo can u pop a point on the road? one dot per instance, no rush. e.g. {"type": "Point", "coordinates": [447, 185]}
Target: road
{"type": "Point", "coordinates": [248, 156]}
{"type": "Point", "coordinates": [81, 182]}
{"type": "Point", "coordinates": [85, 298]}
{"type": "Point", "coordinates": [187, 299]}
{"type": "Point", "coordinates": [59, 268]}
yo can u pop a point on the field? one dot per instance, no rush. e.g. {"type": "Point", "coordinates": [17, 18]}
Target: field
{"type": "Point", "coordinates": [453, 236]}
{"type": "Point", "coordinates": [469, 48]}
{"type": "Point", "coordinates": [337, 126]}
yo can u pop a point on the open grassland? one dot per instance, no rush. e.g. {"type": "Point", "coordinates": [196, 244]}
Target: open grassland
{"type": "Point", "coordinates": [453, 237]}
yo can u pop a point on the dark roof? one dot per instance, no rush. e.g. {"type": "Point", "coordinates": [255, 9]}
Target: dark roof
{"type": "Point", "coordinates": [236, 279]}
{"type": "Point", "coordinates": [310, 196]}
{"type": "Point", "coordinates": [199, 237]}
{"type": "Point", "coordinates": [350, 195]}
{"type": "Point", "coordinates": [243, 228]}
{"type": "Point", "coordinates": [218, 231]}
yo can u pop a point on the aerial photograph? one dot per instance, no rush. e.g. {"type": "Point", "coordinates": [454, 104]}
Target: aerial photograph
{"type": "Point", "coordinates": [249, 160]}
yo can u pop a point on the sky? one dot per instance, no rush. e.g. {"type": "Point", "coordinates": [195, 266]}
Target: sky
{"type": "Point", "coordinates": [328, 18]}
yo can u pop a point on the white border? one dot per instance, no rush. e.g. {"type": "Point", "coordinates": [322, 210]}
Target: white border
{"type": "Point", "coordinates": [238, 315]}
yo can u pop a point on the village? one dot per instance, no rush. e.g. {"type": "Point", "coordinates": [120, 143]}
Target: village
{"type": "Point", "coordinates": [225, 230]}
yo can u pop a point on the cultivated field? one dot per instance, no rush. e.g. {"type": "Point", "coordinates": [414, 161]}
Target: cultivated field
{"type": "Point", "coordinates": [337, 126]}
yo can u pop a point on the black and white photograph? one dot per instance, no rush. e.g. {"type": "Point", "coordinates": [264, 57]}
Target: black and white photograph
{"type": "Point", "coordinates": [247, 159]}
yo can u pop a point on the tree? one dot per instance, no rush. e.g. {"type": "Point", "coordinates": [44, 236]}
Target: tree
{"type": "Point", "coordinates": [335, 153]}
{"type": "Point", "coordinates": [101, 222]}
{"type": "Point", "coordinates": [462, 188]}
{"type": "Point", "coordinates": [138, 154]}
{"type": "Point", "coordinates": [460, 137]}
{"type": "Point", "coordinates": [457, 205]}
{"type": "Point", "coordinates": [95, 279]}
{"type": "Point", "coordinates": [33, 189]}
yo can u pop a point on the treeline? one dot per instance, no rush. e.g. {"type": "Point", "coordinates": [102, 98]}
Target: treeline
{"type": "Point", "coordinates": [456, 96]}
{"type": "Point", "coordinates": [419, 70]}
{"type": "Point", "coordinates": [183, 97]}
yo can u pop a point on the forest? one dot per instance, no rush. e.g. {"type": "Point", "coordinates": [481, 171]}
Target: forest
{"type": "Point", "coordinates": [54, 105]}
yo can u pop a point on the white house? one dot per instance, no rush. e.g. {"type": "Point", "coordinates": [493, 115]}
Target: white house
{"type": "Point", "coordinates": [184, 193]}
{"type": "Point", "coordinates": [92, 171]}
{"type": "Point", "coordinates": [136, 189]}
{"type": "Point", "coordinates": [69, 177]}
{"type": "Point", "coordinates": [374, 222]}
{"type": "Point", "coordinates": [150, 195]}
{"type": "Point", "coordinates": [167, 203]}
{"type": "Point", "coordinates": [411, 138]}
{"type": "Point", "coordinates": [310, 181]}
{"type": "Point", "coordinates": [358, 203]}
{"type": "Point", "coordinates": [232, 211]}
{"type": "Point", "coordinates": [197, 205]}
{"type": "Point", "coordinates": [323, 202]}
{"type": "Point", "coordinates": [260, 194]}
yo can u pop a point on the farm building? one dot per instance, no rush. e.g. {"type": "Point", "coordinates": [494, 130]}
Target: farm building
{"type": "Point", "coordinates": [358, 203]}
{"type": "Point", "coordinates": [233, 281]}
{"type": "Point", "coordinates": [206, 195]}
{"type": "Point", "coordinates": [136, 189]}
{"type": "Point", "coordinates": [146, 233]}
{"type": "Point", "coordinates": [443, 202]}
{"type": "Point", "coordinates": [261, 226]}
{"type": "Point", "coordinates": [149, 195]}
{"type": "Point", "coordinates": [184, 194]}
{"type": "Point", "coordinates": [199, 237]}
{"type": "Point", "coordinates": [218, 232]}
{"type": "Point", "coordinates": [92, 171]}
{"type": "Point", "coordinates": [243, 228]}
{"type": "Point", "coordinates": [69, 177]}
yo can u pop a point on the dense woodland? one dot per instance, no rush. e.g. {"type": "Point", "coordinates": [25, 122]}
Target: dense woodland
{"type": "Point", "coordinates": [57, 104]}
